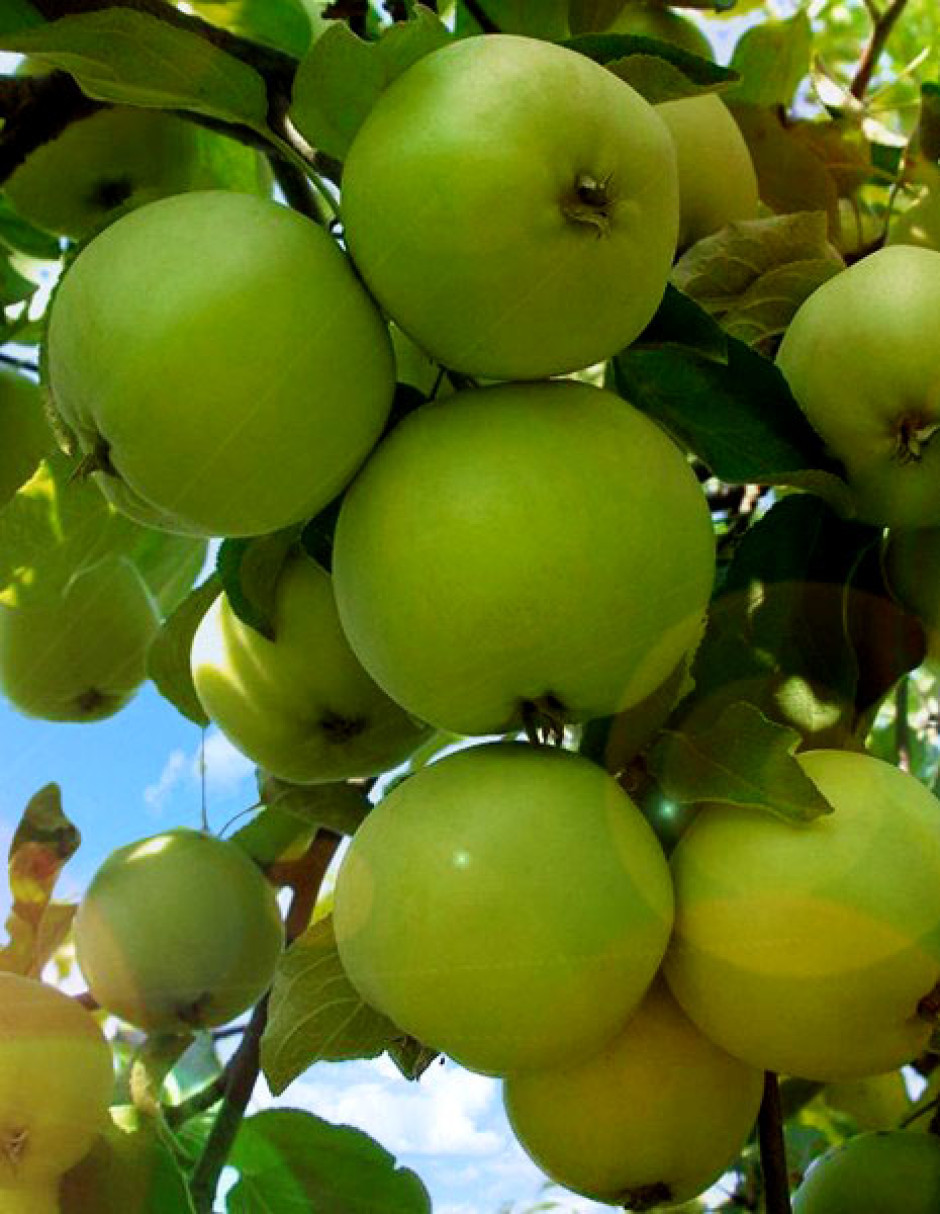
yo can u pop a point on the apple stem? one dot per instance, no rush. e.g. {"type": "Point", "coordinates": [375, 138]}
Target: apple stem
{"type": "Point", "coordinates": [773, 1156]}
{"type": "Point", "coordinates": [929, 1007]}
{"type": "Point", "coordinates": [543, 720]}
{"type": "Point", "coordinates": [589, 203]}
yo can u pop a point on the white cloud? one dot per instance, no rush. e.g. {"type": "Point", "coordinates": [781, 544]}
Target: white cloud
{"type": "Point", "coordinates": [174, 772]}
{"type": "Point", "coordinates": [225, 769]}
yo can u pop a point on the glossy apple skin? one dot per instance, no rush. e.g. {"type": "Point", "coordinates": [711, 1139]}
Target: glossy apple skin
{"type": "Point", "coordinates": [522, 543]}
{"type": "Point", "coordinates": [861, 360]}
{"type": "Point", "coordinates": [25, 436]}
{"type": "Point", "coordinates": [56, 1078]}
{"type": "Point", "coordinates": [178, 932]}
{"type": "Point", "coordinates": [149, 339]}
{"type": "Point", "coordinates": [508, 905]}
{"type": "Point", "coordinates": [717, 181]}
{"type": "Point", "coordinates": [461, 207]}
{"type": "Point", "coordinates": [653, 21]}
{"type": "Point", "coordinates": [300, 706]}
{"type": "Point", "coordinates": [806, 949]}
{"type": "Point", "coordinates": [81, 654]}
{"type": "Point", "coordinates": [876, 1173]}
{"type": "Point", "coordinates": [627, 1121]}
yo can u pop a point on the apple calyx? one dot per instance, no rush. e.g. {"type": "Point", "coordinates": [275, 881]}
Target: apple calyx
{"type": "Point", "coordinates": [340, 729]}
{"type": "Point", "coordinates": [98, 459]}
{"type": "Point", "coordinates": [912, 437]}
{"type": "Point", "coordinates": [13, 1146]}
{"type": "Point", "coordinates": [543, 719]}
{"type": "Point", "coordinates": [646, 1197]}
{"type": "Point", "coordinates": [90, 701]}
{"type": "Point", "coordinates": [590, 203]}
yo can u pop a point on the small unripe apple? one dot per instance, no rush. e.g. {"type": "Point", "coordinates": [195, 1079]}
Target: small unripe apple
{"type": "Point", "coordinates": [25, 436]}
{"type": "Point", "coordinates": [877, 1102]}
{"type": "Point", "coordinates": [300, 705]}
{"type": "Point", "coordinates": [876, 1173]}
{"type": "Point", "coordinates": [56, 1079]}
{"type": "Point", "coordinates": [508, 905]}
{"type": "Point", "coordinates": [178, 932]}
{"type": "Point", "coordinates": [626, 1124]}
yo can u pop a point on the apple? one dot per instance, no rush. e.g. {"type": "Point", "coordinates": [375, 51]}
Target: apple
{"type": "Point", "coordinates": [650, 19]}
{"type": "Point", "coordinates": [877, 1102]}
{"type": "Point", "coordinates": [120, 158]}
{"type": "Point", "coordinates": [56, 1078]}
{"type": "Point", "coordinates": [717, 181]}
{"type": "Point", "coordinates": [79, 655]}
{"type": "Point", "coordinates": [25, 436]}
{"type": "Point", "coordinates": [918, 225]}
{"type": "Point", "coordinates": [875, 1173]}
{"type": "Point", "coordinates": [808, 948]}
{"type": "Point", "coordinates": [300, 706]}
{"type": "Point", "coordinates": [626, 1124]}
{"type": "Point", "coordinates": [912, 569]}
{"type": "Point", "coordinates": [523, 550]}
{"type": "Point", "coordinates": [861, 359]}
{"type": "Point", "coordinates": [508, 905]}
{"type": "Point", "coordinates": [513, 206]}
{"type": "Point", "coordinates": [178, 932]}
{"type": "Point", "coordinates": [217, 356]}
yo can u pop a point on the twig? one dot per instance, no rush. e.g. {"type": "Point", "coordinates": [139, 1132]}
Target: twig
{"type": "Point", "coordinates": [881, 31]}
{"type": "Point", "coordinates": [487, 24]}
{"type": "Point", "coordinates": [773, 1158]}
{"type": "Point", "coordinates": [86, 999]}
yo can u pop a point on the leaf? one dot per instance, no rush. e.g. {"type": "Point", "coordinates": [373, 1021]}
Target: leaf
{"type": "Point", "coordinates": [928, 123]}
{"type": "Point", "coordinates": [18, 15]}
{"type": "Point", "coordinates": [534, 18]}
{"type": "Point", "coordinates": [741, 759]}
{"type": "Point", "coordinates": [281, 24]}
{"type": "Point", "coordinates": [20, 236]}
{"type": "Point", "coordinates": [249, 568]}
{"type": "Point", "coordinates": [290, 1160]}
{"type": "Point", "coordinates": [337, 807]}
{"type": "Point", "coordinates": [411, 1057]}
{"type": "Point", "coordinates": [120, 55]}
{"type": "Point", "coordinates": [657, 70]}
{"type": "Point", "coordinates": [343, 76]}
{"type": "Point", "coordinates": [588, 16]}
{"type": "Point", "coordinates": [772, 58]}
{"type": "Point", "coordinates": [765, 310]}
{"type": "Point", "coordinates": [315, 1013]}
{"type": "Point", "coordinates": [168, 659]}
{"type": "Point", "coordinates": [14, 288]}
{"type": "Point", "coordinates": [169, 564]}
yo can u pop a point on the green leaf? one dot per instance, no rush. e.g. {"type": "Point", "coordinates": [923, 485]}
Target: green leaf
{"type": "Point", "coordinates": [293, 1161]}
{"type": "Point", "coordinates": [928, 123]}
{"type": "Point", "coordinates": [249, 569]}
{"type": "Point", "coordinates": [21, 237]}
{"type": "Point", "coordinates": [342, 77]}
{"type": "Point", "coordinates": [590, 16]}
{"type": "Point", "coordinates": [533, 18]}
{"type": "Point", "coordinates": [18, 15]}
{"type": "Point", "coordinates": [741, 759]}
{"type": "Point", "coordinates": [772, 58]}
{"type": "Point", "coordinates": [168, 659]}
{"type": "Point", "coordinates": [315, 1013]}
{"type": "Point", "coordinates": [657, 70]}
{"type": "Point", "coordinates": [169, 564]}
{"type": "Point", "coordinates": [281, 24]}
{"type": "Point", "coordinates": [337, 807]}
{"type": "Point", "coordinates": [119, 55]}
{"type": "Point", "coordinates": [766, 308]}
{"type": "Point", "coordinates": [411, 1057]}
{"type": "Point", "coordinates": [14, 288]}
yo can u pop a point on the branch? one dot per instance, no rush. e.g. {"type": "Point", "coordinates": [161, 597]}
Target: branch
{"type": "Point", "coordinates": [773, 1157]}
{"type": "Point", "coordinates": [487, 24]}
{"type": "Point", "coordinates": [884, 24]}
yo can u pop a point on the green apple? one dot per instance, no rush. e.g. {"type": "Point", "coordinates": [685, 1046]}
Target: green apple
{"type": "Point", "coordinates": [918, 225]}
{"type": "Point", "coordinates": [120, 158]}
{"type": "Point", "coordinates": [626, 1125]}
{"type": "Point", "coordinates": [25, 436]}
{"type": "Point", "coordinates": [877, 1102]}
{"type": "Point", "coordinates": [650, 19]}
{"type": "Point", "coordinates": [520, 550]}
{"type": "Point", "coordinates": [807, 948]}
{"type": "Point", "coordinates": [513, 206]}
{"type": "Point", "coordinates": [56, 1078]}
{"type": "Point", "coordinates": [217, 356]}
{"type": "Point", "coordinates": [717, 181]}
{"type": "Point", "coordinates": [912, 569]}
{"type": "Point", "coordinates": [300, 705]}
{"type": "Point", "coordinates": [876, 1173]}
{"type": "Point", "coordinates": [508, 905]}
{"type": "Point", "coordinates": [861, 358]}
{"type": "Point", "coordinates": [178, 932]}
{"type": "Point", "coordinates": [82, 654]}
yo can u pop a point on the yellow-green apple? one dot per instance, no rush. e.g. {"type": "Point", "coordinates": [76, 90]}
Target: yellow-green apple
{"type": "Point", "coordinates": [513, 206]}
{"type": "Point", "coordinates": [717, 181]}
{"type": "Point", "coordinates": [625, 1125]}
{"type": "Point", "coordinates": [877, 1102]}
{"type": "Point", "coordinates": [300, 705]}
{"type": "Point", "coordinates": [519, 550]}
{"type": "Point", "coordinates": [25, 436]}
{"type": "Point", "coordinates": [874, 1173]}
{"type": "Point", "coordinates": [56, 1078]}
{"type": "Point", "coordinates": [912, 568]}
{"type": "Point", "coordinates": [217, 358]}
{"type": "Point", "coordinates": [861, 360]}
{"type": "Point", "coordinates": [812, 948]}
{"type": "Point", "coordinates": [650, 19]}
{"type": "Point", "coordinates": [508, 905]}
{"type": "Point", "coordinates": [120, 158]}
{"type": "Point", "coordinates": [177, 932]}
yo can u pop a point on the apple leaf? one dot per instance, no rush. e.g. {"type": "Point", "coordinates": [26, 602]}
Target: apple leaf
{"type": "Point", "coordinates": [411, 1057]}
{"type": "Point", "coordinates": [590, 16]}
{"type": "Point", "coordinates": [342, 77]}
{"type": "Point", "coordinates": [281, 24]}
{"type": "Point", "coordinates": [169, 564]}
{"type": "Point", "coordinates": [18, 15]}
{"type": "Point", "coordinates": [657, 70]}
{"type": "Point", "coordinates": [928, 123]}
{"type": "Point", "coordinates": [534, 18]}
{"type": "Point", "coordinates": [612, 742]}
{"type": "Point", "coordinates": [766, 308]}
{"type": "Point", "coordinates": [772, 58]}
{"type": "Point", "coordinates": [120, 55]}
{"type": "Point", "coordinates": [249, 568]}
{"type": "Point", "coordinates": [291, 1160]}
{"type": "Point", "coordinates": [338, 807]}
{"type": "Point", "coordinates": [315, 1014]}
{"type": "Point", "coordinates": [14, 288]}
{"type": "Point", "coordinates": [742, 758]}
{"type": "Point", "coordinates": [18, 235]}
{"type": "Point", "coordinates": [168, 659]}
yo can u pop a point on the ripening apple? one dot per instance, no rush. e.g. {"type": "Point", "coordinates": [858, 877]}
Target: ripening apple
{"type": "Point", "coordinates": [120, 158]}
{"type": "Point", "coordinates": [861, 358]}
{"type": "Point", "coordinates": [56, 1078]}
{"type": "Point", "coordinates": [651, 19]}
{"type": "Point", "coordinates": [807, 948]}
{"type": "Point", "coordinates": [523, 550]}
{"type": "Point", "coordinates": [877, 1102]}
{"type": "Point", "coordinates": [25, 436]}
{"type": "Point", "coordinates": [627, 1125]}
{"type": "Point", "coordinates": [178, 932]}
{"type": "Point", "coordinates": [217, 356]}
{"type": "Point", "coordinates": [912, 569]}
{"type": "Point", "coordinates": [513, 206]}
{"type": "Point", "coordinates": [875, 1173]}
{"type": "Point", "coordinates": [80, 654]}
{"type": "Point", "coordinates": [717, 181]}
{"type": "Point", "coordinates": [508, 905]}
{"type": "Point", "coordinates": [300, 705]}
